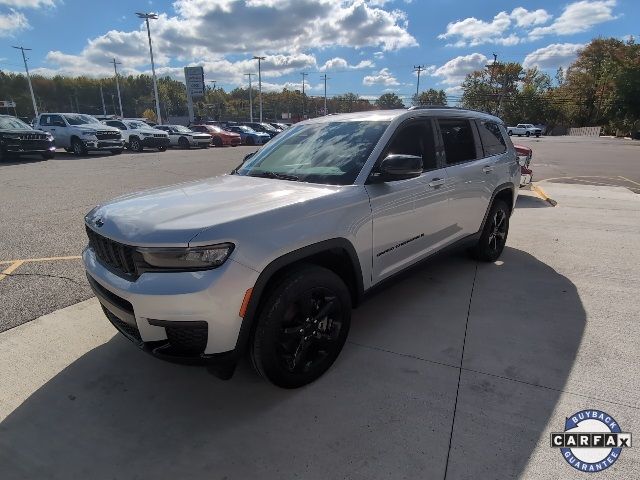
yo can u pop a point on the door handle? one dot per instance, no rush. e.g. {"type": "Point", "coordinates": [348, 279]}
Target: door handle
{"type": "Point", "coordinates": [436, 182]}
{"type": "Point", "coordinates": [487, 169]}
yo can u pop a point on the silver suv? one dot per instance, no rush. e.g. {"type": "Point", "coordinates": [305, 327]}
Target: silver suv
{"type": "Point", "coordinates": [80, 133]}
{"type": "Point", "coordinates": [271, 258]}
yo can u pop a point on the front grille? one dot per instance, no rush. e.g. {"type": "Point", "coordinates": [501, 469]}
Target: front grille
{"type": "Point", "coordinates": [33, 136]}
{"type": "Point", "coordinates": [34, 144]}
{"type": "Point", "coordinates": [159, 135]}
{"type": "Point", "coordinates": [107, 135]}
{"type": "Point", "coordinates": [119, 257]}
{"type": "Point", "coordinates": [129, 331]}
{"type": "Point", "coordinates": [188, 340]}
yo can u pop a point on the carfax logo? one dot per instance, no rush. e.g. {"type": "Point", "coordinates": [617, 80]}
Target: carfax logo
{"type": "Point", "coordinates": [592, 440]}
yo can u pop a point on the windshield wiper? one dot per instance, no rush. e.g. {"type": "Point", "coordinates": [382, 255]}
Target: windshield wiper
{"type": "Point", "coordinates": [279, 176]}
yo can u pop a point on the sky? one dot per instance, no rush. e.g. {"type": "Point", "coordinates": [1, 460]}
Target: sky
{"type": "Point", "coordinates": [368, 47]}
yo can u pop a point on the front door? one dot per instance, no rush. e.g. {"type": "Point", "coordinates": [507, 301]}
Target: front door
{"type": "Point", "coordinates": [409, 216]}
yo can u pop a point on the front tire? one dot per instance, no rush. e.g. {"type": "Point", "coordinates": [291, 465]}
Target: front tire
{"type": "Point", "coordinates": [510, 133]}
{"type": "Point", "coordinates": [216, 142]}
{"type": "Point", "coordinates": [183, 143]}
{"type": "Point", "coordinates": [494, 234]}
{"type": "Point", "coordinates": [302, 327]}
{"type": "Point", "coordinates": [78, 148]}
{"type": "Point", "coordinates": [250, 141]}
{"type": "Point", "coordinates": [528, 134]}
{"type": "Point", "coordinates": [135, 144]}
{"type": "Point", "coordinates": [162, 149]}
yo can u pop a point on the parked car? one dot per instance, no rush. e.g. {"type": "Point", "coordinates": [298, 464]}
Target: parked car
{"type": "Point", "coordinates": [79, 133]}
{"type": "Point", "coordinates": [279, 126]}
{"type": "Point", "coordinates": [17, 138]}
{"type": "Point", "coordinates": [138, 135]}
{"type": "Point", "coordinates": [524, 159]}
{"type": "Point", "coordinates": [272, 257]}
{"type": "Point", "coordinates": [249, 136]}
{"type": "Point", "coordinates": [524, 129]}
{"type": "Point", "coordinates": [183, 137]}
{"type": "Point", "coordinates": [263, 127]}
{"type": "Point", "coordinates": [219, 137]}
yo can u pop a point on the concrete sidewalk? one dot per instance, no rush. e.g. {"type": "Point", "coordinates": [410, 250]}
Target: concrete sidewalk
{"type": "Point", "coordinates": [550, 329]}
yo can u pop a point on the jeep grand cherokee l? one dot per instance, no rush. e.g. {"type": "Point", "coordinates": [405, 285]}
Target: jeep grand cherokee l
{"type": "Point", "coordinates": [17, 138]}
{"type": "Point", "coordinates": [271, 258]}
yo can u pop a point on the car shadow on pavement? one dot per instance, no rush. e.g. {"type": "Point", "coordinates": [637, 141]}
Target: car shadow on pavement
{"type": "Point", "coordinates": [384, 410]}
{"type": "Point", "coordinates": [531, 201]}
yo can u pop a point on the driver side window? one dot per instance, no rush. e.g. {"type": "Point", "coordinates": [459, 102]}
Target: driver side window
{"type": "Point", "coordinates": [417, 139]}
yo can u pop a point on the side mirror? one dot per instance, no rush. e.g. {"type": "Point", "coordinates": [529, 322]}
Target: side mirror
{"type": "Point", "coordinates": [399, 167]}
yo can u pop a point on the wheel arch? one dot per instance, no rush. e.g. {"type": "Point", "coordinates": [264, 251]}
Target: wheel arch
{"type": "Point", "coordinates": [336, 254]}
{"type": "Point", "coordinates": [505, 192]}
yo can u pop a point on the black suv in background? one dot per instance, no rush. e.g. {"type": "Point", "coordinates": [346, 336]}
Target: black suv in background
{"type": "Point", "coordinates": [17, 138]}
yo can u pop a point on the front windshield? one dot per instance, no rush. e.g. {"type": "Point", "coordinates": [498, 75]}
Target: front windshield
{"type": "Point", "coordinates": [180, 128]}
{"type": "Point", "coordinates": [245, 129]}
{"type": "Point", "coordinates": [80, 119]}
{"type": "Point", "coordinates": [134, 124]}
{"type": "Point", "coordinates": [12, 123]}
{"type": "Point", "coordinates": [329, 153]}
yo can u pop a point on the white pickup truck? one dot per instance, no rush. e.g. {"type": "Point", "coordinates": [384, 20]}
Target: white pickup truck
{"type": "Point", "coordinates": [526, 129]}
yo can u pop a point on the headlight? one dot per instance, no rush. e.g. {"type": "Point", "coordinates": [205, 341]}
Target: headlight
{"type": "Point", "coordinates": [145, 134]}
{"type": "Point", "coordinates": [89, 134]}
{"type": "Point", "coordinates": [49, 136]}
{"type": "Point", "coordinates": [187, 258]}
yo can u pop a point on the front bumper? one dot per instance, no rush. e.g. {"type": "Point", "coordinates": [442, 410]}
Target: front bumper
{"type": "Point", "coordinates": [155, 142]}
{"type": "Point", "coordinates": [158, 310]}
{"type": "Point", "coordinates": [22, 147]}
{"type": "Point", "coordinates": [103, 144]}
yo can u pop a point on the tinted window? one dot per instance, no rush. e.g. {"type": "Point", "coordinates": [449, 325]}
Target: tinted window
{"type": "Point", "coordinates": [328, 153]}
{"type": "Point", "coordinates": [56, 121]}
{"type": "Point", "coordinates": [458, 141]}
{"type": "Point", "coordinates": [416, 139]}
{"type": "Point", "coordinates": [492, 140]}
{"type": "Point", "coordinates": [12, 123]}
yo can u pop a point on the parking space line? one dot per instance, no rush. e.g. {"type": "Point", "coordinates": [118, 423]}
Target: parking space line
{"type": "Point", "coordinates": [43, 259]}
{"type": "Point", "coordinates": [628, 180]}
{"type": "Point", "coordinates": [7, 271]}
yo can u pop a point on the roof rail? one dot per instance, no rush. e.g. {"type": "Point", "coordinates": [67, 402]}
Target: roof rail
{"type": "Point", "coordinates": [425, 107]}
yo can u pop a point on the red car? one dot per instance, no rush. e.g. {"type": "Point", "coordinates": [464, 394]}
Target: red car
{"type": "Point", "coordinates": [219, 137]}
{"type": "Point", "coordinates": [524, 158]}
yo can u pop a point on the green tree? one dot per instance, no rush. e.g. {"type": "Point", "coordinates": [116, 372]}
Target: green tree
{"type": "Point", "coordinates": [431, 97]}
{"type": "Point", "coordinates": [389, 101]}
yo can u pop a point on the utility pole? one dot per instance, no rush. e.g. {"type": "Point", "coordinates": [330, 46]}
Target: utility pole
{"type": "Point", "coordinates": [152, 16]}
{"type": "Point", "coordinates": [325, 94]}
{"type": "Point", "coordinates": [104, 109]}
{"type": "Point", "coordinates": [419, 69]}
{"type": "Point", "coordinates": [75, 93]}
{"type": "Point", "coordinates": [303, 75]}
{"type": "Point", "coordinates": [492, 69]}
{"type": "Point", "coordinates": [250, 97]}
{"type": "Point", "coordinates": [115, 71]}
{"type": "Point", "coordinates": [255, 57]}
{"type": "Point", "coordinates": [26, 68]}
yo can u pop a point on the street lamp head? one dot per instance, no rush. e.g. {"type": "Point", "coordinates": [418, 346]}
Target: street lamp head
{"type": "Point", "coordinates": [256, 57]}
{"type": "Point", "coordinates": [151, 15]}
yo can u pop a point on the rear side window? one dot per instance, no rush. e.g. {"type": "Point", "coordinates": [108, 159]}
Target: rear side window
{"type": "Point", "coordinates": [493, 142]}
{"type": "Point", "coordinates": [416, 139]}
{"type": "Point", "coordinates": [458, 140]}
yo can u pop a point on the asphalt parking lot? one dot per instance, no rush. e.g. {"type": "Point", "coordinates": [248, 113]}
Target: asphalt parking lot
{"type": "Point", "coordinates": [458, 370]}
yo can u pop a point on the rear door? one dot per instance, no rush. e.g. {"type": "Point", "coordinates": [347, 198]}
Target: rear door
{"type": "Point", "coordinates": [409, 216]}
{"type": "Point", "coordinates": [494, 147]}
{"type": "Point", "coordinates": [466, 170]}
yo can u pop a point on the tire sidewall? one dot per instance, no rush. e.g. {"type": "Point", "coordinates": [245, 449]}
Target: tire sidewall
{"type": "Point", "coordinates": [263, 347]}
{"type": "Point", "coordinates": [482, 251]}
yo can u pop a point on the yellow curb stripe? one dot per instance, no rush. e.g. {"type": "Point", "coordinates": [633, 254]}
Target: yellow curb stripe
{"type": "Point", "coordinates": [7, 271]}
{"type": "Point", "coordinates": [44, 259]}
{"type": "Point", "coordinates": [542, 194]}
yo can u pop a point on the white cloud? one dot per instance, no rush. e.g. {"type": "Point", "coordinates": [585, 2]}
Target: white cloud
{"type": "Point", "coordinates": [12, 22]}
{"type": "Point", "coordinates": [526, 18]}
{"type": "Point", "coordinates": [455, 70]}
{"type": "Point", "coordinates": [553, 56]}
{"type": "Point", "coordinates": [578, 17]}
{"type": "Point", "coordinates": [208, 30]}
{"type": "Point", "coordinates": [338, 63]}
{"type": "Point", "coordinates": [383, 77]}
{"type": "Point", "coordinates": [28, 3]}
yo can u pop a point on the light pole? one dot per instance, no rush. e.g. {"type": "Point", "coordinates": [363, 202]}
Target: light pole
{"type": "Point", "coordinates": [153, 16]}
{"type": "Point", "coordinates": [115, 71]}
{"type": "Point", "coordinates": [259, 83]}
{"type": "Point", "coordinates": [325, 94]}
{"type": "Point", "coordinates": [303, 75]}
{"type": "Point", "coordinates": [104, 108]}
{"type": "Point", "coordinates": [250, 97]}
{"type": "Point", "coordinates": [33, 97]}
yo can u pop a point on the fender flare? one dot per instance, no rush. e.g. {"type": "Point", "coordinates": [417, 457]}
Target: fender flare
{"type": "Point", "coordinates": [508, 186]}
{"type": "Point", "coordinates": [284, 261]}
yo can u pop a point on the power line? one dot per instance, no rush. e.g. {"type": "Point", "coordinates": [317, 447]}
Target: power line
{"type": "Point", "coordinates": [419, 69]}
{"type": "Point", "coordinates": [115, 71]}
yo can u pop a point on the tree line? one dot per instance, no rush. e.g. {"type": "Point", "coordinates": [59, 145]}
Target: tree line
{"type": "Point", "coordinates": [600, 88]}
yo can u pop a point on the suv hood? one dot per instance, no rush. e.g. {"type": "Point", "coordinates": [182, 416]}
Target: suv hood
{"type": "Point", "coordinates": [98, 127]}
{"type": "Point", "coordinates": [172, 216]}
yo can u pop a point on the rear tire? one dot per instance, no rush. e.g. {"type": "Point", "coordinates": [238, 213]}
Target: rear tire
{"type": "Point", "coordinates": [302, 327]}
{"type": "Point", "coordinates": [494, 234]}
{"type": "Point", "coordinates": [250, 141]}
